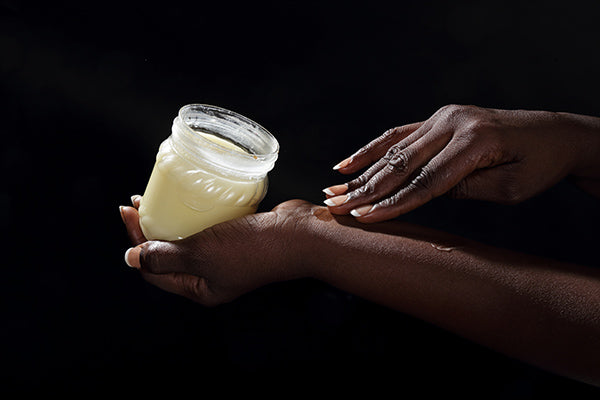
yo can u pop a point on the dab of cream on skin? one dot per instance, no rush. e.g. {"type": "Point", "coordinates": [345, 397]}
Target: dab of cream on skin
{"type": "Point", "coordinates": [201, 179]}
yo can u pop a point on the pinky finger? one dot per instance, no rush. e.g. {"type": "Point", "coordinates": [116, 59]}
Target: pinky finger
{"type": "Point", "coordinates": [387, 209]}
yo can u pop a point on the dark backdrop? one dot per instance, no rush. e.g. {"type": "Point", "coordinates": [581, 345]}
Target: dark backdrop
{"type": "Point", "coordinates": [89, 92]}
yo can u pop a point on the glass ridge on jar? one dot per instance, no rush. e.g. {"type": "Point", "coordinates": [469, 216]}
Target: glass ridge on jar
{"type": "Point", "coordinates": [212, 168]}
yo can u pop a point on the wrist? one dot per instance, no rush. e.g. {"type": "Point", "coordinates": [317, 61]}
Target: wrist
{"type": "Point", "coordinates": [326, 245]}
{"type": "Point", "coordinates": [292, 240]}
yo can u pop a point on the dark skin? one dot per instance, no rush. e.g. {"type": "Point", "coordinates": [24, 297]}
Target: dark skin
{"type": "Point", "coordinates": [504, 156]}
{"type": "Point", "coordinates": [541, 311]}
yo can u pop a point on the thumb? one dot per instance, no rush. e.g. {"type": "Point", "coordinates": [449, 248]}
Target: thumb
{"type": "Point", "coordinates": [158, 257]}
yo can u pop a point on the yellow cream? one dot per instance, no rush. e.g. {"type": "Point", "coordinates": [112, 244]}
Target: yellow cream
{"type": "Point", "coordinates": [187, 193]}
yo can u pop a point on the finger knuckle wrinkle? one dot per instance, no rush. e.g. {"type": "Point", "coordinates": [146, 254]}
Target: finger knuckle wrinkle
{"type": "Point", "coordinates": [196, 289]}
{"type": "Point", "coordinates": [189, 287]}
{"type": "Point", "coordinates": [370, 188]}
{"type": "Point", "coordinates": [365, 190]}
{"type": "Point", "coordinates": [358, 182]}
{"type": "Point", "coordinates": [423, 180]}
{"type": "Point", "coordinates": [393, 134]}
{"type": "Point", "coordinates": [389, 134]}
{"type": "Point", "coordinates": [388, 202]}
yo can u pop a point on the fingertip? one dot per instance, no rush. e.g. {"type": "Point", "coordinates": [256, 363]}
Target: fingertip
{"type": "Point", "coordinates": [135, 200]}
{"type": "Point", "coordinates": [336, 190]}
{"type": "Point", "coordinates": [132, 257]}
{"type": "Point", "coordinates": [336, 201]}
{"type": "Point", "coordinates": [342, 164]}
{"type": "Point", "coordinates": [369, 214]}
{"type": "Point", "coordinates": [362, 211]}
{"type": "Point", "coordinates": [128, 214]}
{"type": "Point", "coordinates": [131, 217]}
{"type": "Point", "coordinates": [380, 212]}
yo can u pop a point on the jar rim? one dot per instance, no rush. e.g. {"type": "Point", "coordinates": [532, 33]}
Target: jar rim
{"type": "Point", "coordinates": [208, 108]}
{"type": "Point", "coordinates": [194, 120]}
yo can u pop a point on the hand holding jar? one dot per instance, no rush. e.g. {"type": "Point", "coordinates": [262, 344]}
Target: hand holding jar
{"type": "Point", "coordinates": [224, 261]}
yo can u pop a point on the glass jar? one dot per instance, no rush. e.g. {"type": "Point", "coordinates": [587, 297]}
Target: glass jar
{"type": "Point", "coordinates": [212, 168]}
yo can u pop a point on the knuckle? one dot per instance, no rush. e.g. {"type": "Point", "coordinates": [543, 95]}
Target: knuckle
{"type": "Point", "coordinates": [366, 176]}
{"type": "Point", "coordinates": [389, 134]}
{"type": "Point", "coordinates": [190, 287]}
{"type": "Point", "coordinates": [393, 134]}
{"type": "Point", "coordinates": [357, 183]}
{"type": "Point", "coordinates": [477, 125]}
{"type": "Point", "coordinates": [196, 289]}
{"type": "Point", "coordinates": [450, 110]}
{"type": "Point", "coordinates": [387, 138]}
{"type": "Point", "coordinates": [365, 190]}
{"type": "Point", "coordinates": [424, 180]}
{"type": "Point", "coordinates": [149, 256]}
{"type": "Point", "coordinates": [477, 130]}
{"type": "Point", "coordinates": [388, 202]}
{"type": "Point", "coordinates": [457, 112]}
{"type": "Point", "coordinates": [370, 188]}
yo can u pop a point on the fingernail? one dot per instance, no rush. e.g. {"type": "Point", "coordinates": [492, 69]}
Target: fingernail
{"type": "Point", "coordinates": [132, 257]}
{"type": "Point", "coordinates": [343, 164]}
{"type": "Point", "coordinates": [336, 190]}
{"type": "Point", "coordinates": [135, 198]}
{"type": "Point", "coordinates": [362, 211]}
{"type": "Point", "coordinates": [121, 211]}
{"type": "Point", "coordinates": [336, 201]}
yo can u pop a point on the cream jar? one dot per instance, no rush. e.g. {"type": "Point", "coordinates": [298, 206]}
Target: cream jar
{"type": "Point", "coordinates": [212, 168]}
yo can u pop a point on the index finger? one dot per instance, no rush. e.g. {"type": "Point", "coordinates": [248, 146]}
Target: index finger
{"type": "Point", "coordinates": [376, 149]}
{"type": "Point", "coordinates": [131, 219]}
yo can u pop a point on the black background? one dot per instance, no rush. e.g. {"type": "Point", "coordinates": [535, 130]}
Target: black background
{"type": "Point", "coordinates": [89, 92]}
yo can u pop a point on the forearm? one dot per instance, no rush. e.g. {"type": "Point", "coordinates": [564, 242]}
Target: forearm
{"type": "Point", "coordinates": [540, 311]}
